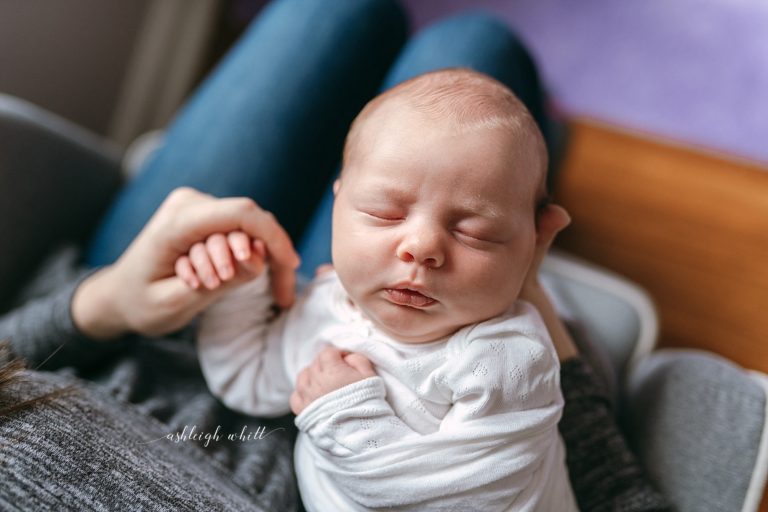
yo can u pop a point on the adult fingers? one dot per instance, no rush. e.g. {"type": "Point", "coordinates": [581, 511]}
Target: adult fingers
{"type": "Point", "coordinates": [283, 284]}
{"type": "Point", "coordinates": [169, 304]}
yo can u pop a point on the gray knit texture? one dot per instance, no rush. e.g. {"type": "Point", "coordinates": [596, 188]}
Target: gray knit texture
{"type": "Point", "coordinates": [103, 448]}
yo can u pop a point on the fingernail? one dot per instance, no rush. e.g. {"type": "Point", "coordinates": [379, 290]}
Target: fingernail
{"type": "Point", "coordinates": [241, 254]}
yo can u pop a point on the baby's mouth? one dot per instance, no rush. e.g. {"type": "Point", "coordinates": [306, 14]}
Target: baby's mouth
{"type": "Point", "coordinates": [408, 297]}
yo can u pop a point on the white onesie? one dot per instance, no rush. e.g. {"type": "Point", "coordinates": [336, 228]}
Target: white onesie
{"type": "Point", "coordinates": [467, 422]}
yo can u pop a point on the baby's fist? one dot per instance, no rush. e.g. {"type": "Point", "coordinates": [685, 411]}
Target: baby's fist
{"type": "Point", "coordinates": [221, 258]}
{"type": "Point", "coordinates": [332, 369]}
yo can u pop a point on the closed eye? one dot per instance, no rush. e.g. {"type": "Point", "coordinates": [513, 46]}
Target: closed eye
{"type": "Point", "coordinates": [384, 216]}
{"type": "Point", "coordinates": [474, 238]}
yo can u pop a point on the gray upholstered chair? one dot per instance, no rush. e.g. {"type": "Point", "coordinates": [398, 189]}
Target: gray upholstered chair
{"type": "Point", "coordinates": [696, 420]}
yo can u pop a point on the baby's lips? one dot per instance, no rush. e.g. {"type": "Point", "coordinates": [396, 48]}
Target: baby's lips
{"type": "Point", "coordinates": [406, 297]}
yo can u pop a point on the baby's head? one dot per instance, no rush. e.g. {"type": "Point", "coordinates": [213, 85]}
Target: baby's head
{"type": "Point", "coordinates": [434, 220]}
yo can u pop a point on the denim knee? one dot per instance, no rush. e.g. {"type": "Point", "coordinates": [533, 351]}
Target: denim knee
{"type": "Point", "coordinates": [474, 39]}
{"type": "Point", "coordinates": [478, 26]}
{"type": "Point", "coordinates": [384, 13]}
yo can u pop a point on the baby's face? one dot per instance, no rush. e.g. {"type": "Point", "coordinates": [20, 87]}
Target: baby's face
{"type": "Point", "coordinates": [432, 230]}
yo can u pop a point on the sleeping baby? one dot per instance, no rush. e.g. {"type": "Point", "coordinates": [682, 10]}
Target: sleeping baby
{"type": "Point", "coordinates": [419, 378]}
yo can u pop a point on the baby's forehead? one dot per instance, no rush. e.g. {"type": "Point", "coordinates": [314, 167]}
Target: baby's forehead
{"type": "Point", "coordinates": [474, 177]}
{"type": "Point", "coordinates": [458, 114]}
{"type": "Point", "coordinates": [399, 126]}
{"type": "Point", "coordinates": [458, 101]}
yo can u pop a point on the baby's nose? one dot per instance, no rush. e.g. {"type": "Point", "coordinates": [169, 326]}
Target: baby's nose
{"type": "Point", "coordinates": [423, 247]}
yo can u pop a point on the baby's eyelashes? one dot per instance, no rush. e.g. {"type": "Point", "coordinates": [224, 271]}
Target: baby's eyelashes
{"type": "Point", "coordinates": [391, 217]}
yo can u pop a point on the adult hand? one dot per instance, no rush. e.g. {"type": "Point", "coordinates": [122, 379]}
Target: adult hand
{"type": "Point", "coordinates": [141, 293]}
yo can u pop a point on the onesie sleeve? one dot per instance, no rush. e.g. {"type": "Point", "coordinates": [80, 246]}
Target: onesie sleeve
{"type": "Point", "coordinates": [353, 419]}
{"type": "Point", "coordinates": [240, 347]}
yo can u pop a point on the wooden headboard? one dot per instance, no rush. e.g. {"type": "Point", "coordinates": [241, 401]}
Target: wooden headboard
{"type": "Point", "coordinates": [688, 226]}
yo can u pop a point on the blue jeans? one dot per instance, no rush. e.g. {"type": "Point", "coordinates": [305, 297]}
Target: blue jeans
{"type": "Point", "coordinates": [270, 120]}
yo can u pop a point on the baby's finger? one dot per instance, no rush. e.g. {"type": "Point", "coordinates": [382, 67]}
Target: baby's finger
{"type": "Point", "coordinates": [296, 402]}
{"type": "Point", "coordinates": [323, 269]}
{"type": "Point", "coordinates": [360, 363]}
{"type": "Point", "coordinates": [329, 356]}
{"type": "Point", "coordinates": [303, 380]}
{"type": "Point", "coordinates": [255, 262]}
{"type": "Point", "coordinates": [198, 255]}
{"type": "Point", "coordinates": [218, 250]}
{"type": "Point", "coordinates": [185, 271]}
{"type": "Point", "coordinates": [240, 243]}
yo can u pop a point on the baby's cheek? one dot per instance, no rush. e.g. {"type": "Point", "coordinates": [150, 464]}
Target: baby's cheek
{"type": "Point", "coordinates": [359, 256]}
{"type": "Point", "coordinates": [495, 284]}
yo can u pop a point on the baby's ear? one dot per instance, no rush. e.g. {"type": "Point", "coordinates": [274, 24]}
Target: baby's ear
{"type": "Point", "coordinates": [336, 185]}
{"type": "Point", "coordinates": [551, 220]}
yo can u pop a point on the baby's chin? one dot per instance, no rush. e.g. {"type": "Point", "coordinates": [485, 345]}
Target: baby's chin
{"type": "Point", "coordinates": [414, 337]}
{"type": "Point", "coordinates": [417, 338]}
{"type": "Point", "coordinates": [411, 327]}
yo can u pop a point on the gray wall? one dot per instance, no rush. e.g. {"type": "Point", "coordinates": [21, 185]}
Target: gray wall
{"type": "Point", "coordinates": [68, 56]}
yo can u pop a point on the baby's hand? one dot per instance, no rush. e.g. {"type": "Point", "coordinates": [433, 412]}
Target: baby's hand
{"type": "Point", "coordinates": [221, 258]}
{"type": "Point", "coordinates": [332, 369]}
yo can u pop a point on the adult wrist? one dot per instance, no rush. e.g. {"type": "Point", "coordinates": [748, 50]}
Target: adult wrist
{"type": "Point", "coordinates": [93, 310]}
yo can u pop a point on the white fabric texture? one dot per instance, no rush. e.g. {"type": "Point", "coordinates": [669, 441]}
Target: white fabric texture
{"type": "Point", "coordinates": [467, 422]}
